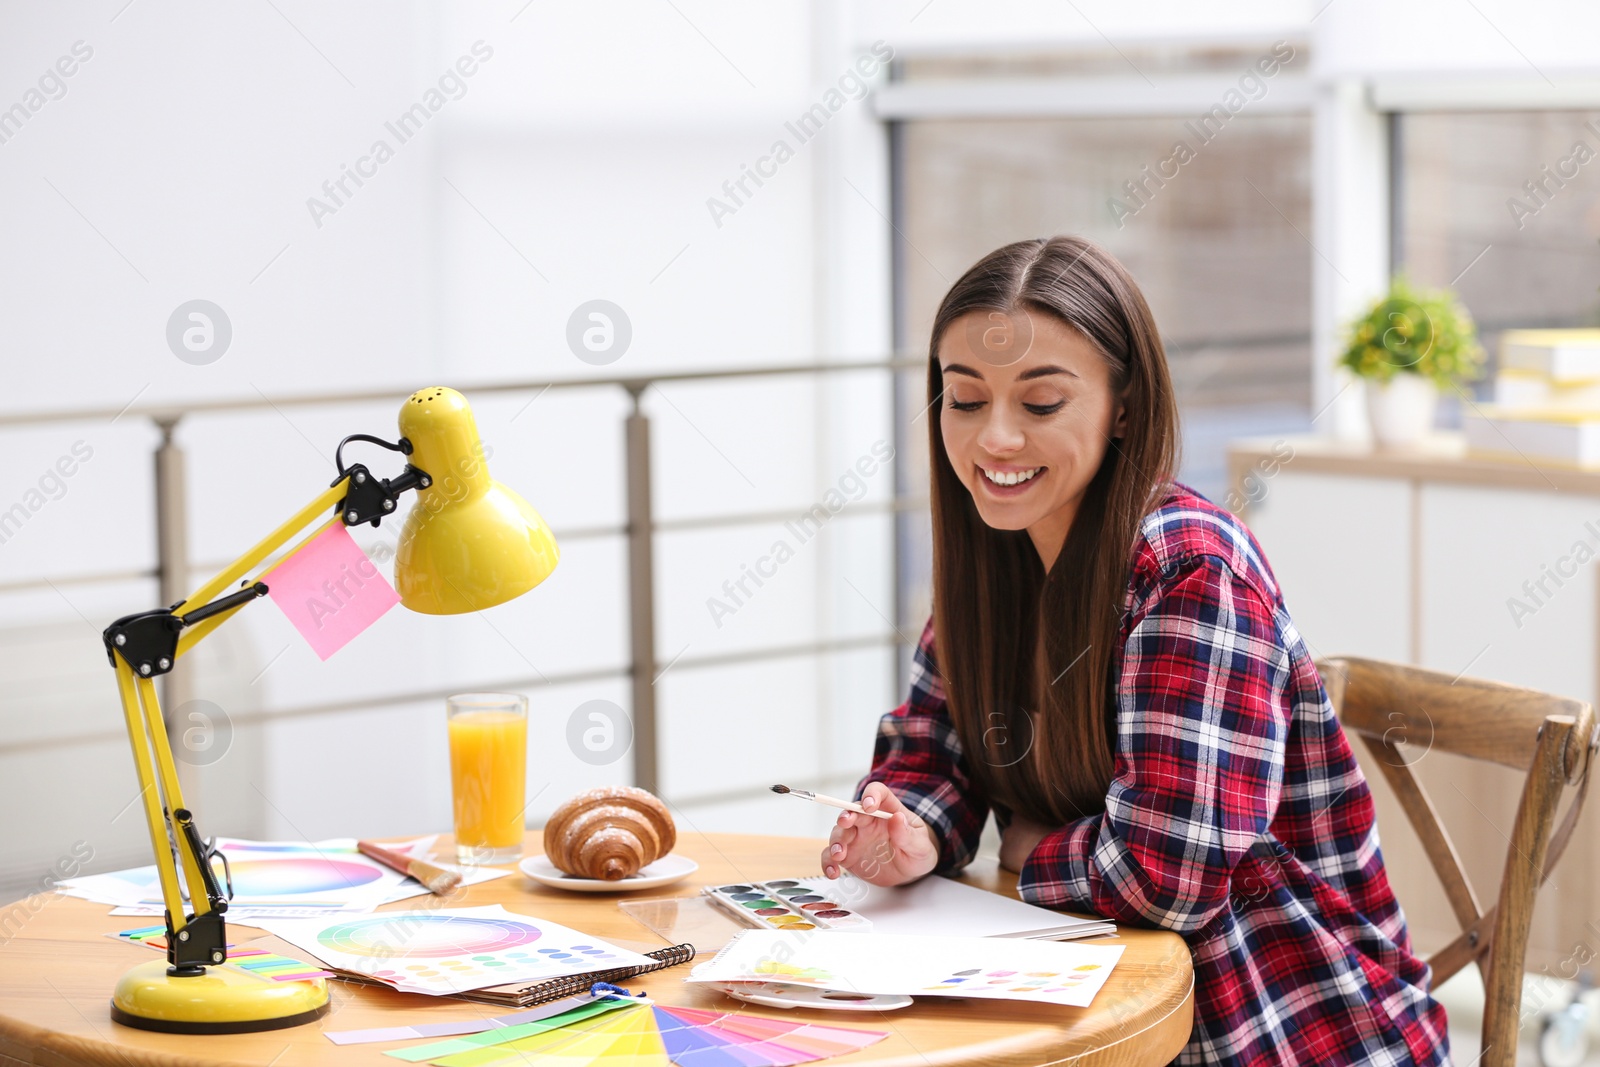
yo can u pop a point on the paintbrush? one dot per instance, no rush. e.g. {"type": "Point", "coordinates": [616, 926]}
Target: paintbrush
{"type": "Point", "coordinates": [834, 802]}
{"type": "Point", "coordinates": [437, 879]}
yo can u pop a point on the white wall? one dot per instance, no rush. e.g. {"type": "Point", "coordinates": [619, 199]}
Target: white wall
{"type": "Point", "coordinates": [1506, 37]}
{"type": "Point", "coordinates": [575, 166]}
{"type": "Point", "coordinates": [175, 166]}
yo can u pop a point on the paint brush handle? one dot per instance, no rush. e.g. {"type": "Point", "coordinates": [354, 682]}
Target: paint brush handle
{"type": "Point", "coordinates": [835, 802]}
{"type": "Point", "coordinates": [437, 879]}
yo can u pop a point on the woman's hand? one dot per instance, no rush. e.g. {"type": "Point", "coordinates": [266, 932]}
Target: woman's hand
{"type": "Point", "coordinates": [1019, 841]}
{"type": "Point", "coordinates": [881, 851]}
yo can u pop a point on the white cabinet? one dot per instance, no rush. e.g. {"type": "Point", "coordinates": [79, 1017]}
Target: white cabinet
{"type": "Point", "coordinates": [1340, 549]}
{"type": "Point", "coordinates": [1463, 565]}
{"type": "Point", "coordinates": [1493, 603]}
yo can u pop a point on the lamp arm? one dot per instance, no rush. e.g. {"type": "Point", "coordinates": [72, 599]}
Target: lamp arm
{"type": "Point", "coordinates": [142, 646]}
{"type": "Point", "coordinates": [147, 644]}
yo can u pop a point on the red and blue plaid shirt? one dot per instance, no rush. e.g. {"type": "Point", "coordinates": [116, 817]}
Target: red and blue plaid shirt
{"type": "Point", "coordinates": [1237, 815]}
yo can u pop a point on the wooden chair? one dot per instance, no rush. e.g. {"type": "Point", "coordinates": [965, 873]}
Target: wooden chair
{"type": "Point", "coordinates": [1550, 738]}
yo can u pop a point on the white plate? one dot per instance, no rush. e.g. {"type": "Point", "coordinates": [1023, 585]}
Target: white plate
{"type": "Point", "coordinates": [664, 871]}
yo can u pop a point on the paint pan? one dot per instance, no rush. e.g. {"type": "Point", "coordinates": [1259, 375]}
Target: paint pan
{"type": "Point", "coordinates": [787, 904]}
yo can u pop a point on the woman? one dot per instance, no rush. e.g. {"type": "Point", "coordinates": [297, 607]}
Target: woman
{"type": "Point", "coordinates": [1117, 678]}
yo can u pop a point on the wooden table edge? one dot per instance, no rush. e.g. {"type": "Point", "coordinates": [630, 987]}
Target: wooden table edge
{"type": "Point", "coordinates": [76, 1050]}
{"type": "Point", "coordinates": [29, 1040]}
{"type": "Point", "coordinates": [1185, 1005]}
{"type": "Point", "coordinates": [34, 1046]}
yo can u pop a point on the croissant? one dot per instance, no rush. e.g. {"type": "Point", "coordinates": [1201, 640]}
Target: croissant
{"type": "Point", "coordinates": [609, 833]}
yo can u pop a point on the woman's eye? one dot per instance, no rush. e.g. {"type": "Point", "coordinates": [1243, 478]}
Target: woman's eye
{"type": "Point", "coordinates": [1046, 409]}
{"type": "Point", "coordinates": [969, 405]}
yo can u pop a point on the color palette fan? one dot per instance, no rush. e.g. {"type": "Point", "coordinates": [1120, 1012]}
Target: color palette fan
{"type": "Point", "coordinates": [649, 1035]}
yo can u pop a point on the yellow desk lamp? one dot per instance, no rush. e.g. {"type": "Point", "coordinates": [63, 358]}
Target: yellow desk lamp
{"type": "Point", "coordinates": [468, 543]}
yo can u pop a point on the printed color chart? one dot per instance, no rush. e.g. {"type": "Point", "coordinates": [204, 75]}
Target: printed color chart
{"type": "Point", "coordinates": [993, 968]}
{"type": "Point", "coordinates": [452, 950]}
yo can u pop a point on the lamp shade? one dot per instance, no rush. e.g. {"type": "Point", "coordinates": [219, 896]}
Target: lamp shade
{"type": "Point", "coordinates": [469, 542]}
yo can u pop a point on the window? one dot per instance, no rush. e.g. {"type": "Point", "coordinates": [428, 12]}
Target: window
{"type": "Point", "coordinates": [1220, 250]}
{"type": "Point", "coordinates": [1505, 207]}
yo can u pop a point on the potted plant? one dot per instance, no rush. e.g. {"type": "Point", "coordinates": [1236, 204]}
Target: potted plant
{"type": "Point", "coordinates": [1408, 346]}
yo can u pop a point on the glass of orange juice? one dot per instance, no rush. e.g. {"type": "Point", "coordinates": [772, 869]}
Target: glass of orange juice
{"type": "Point", "coordinates": [488, 775]}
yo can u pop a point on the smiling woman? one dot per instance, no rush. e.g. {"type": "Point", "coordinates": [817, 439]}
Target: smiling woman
{"type": "Point", "coordinates": [1118, 679]}
{"type": "Point", "coordinates": [1089, 411]}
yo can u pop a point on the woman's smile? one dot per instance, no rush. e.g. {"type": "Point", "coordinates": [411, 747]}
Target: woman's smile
{"type": "Point", "coordinates": [1005, 481]}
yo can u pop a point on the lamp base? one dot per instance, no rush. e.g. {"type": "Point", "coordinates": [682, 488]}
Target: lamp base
{"type": "Point", "coordinates": [226, 999]}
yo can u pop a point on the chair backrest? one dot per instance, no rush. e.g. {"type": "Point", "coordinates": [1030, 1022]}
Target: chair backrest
{"type": "Point", "coordinates": [1551, 739]}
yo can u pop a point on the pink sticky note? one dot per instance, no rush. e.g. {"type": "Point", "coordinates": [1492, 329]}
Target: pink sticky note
{"type": "Point", "coordinates": [330, 590]}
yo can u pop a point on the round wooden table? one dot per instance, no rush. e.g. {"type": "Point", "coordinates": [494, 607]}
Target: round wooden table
{"type": "Point", "coordinates": [57, 969]}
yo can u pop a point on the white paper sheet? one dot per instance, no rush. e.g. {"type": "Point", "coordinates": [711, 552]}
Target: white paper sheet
{"type": "Point", "coordinates": [990, 968]}
{"type": "Point", "coordinates": [948, 908]}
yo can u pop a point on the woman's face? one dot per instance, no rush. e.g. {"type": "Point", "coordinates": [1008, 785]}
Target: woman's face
{"type": "Point", "coordinates": [1025, 434]}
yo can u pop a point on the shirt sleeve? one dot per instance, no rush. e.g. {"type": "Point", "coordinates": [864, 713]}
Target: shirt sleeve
{"type": "Point", "coordinates": [918, 755]}
{"type": "Point", "coordinates": [1202, 723]}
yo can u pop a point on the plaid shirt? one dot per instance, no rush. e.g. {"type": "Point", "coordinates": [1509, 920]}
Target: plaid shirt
{"type": "Point", "coordinates": [1237, 815]}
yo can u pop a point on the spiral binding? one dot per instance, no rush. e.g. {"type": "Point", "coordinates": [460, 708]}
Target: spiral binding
{"type": "Point", "coordinates": [573, 984]}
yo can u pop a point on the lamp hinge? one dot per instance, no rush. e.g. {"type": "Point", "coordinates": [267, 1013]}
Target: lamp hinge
{"type": "Point", "coordinates": [148, 641]}
{"type": "Point", "coordinates": [371, 499]}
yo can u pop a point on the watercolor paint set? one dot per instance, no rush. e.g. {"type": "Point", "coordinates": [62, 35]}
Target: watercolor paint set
{"type": "Point", "coordinates": [797, 904]}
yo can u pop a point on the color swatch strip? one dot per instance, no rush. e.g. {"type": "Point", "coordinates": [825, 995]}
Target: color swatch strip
{"type": "Point", "coordinates": [271, 965]}
{"type": "Point", "coordinates": [255, 960]}
{"type": "Point", "coordinates": [457, 1028]}
{"type": "Point", "coordinates": [473, 1042]}
{"type": "Point", "coordinates": [154, 936]}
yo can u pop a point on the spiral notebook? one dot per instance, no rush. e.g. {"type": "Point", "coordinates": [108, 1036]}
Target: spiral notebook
{"type": "Point", "coordinates": [515, 994]}
{"type": "Point", "coordinates": [484, 954]}
{"type": "Point", "coordinates": [518, 995]}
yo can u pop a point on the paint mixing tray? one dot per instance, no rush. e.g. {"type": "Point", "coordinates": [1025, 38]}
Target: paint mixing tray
{"type": "Point", "coordinates": [678, 920]}
{"type": "Point", "coordinates": [791, 995]}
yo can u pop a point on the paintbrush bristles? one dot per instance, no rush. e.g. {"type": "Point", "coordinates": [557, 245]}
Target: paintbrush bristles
{"type": "Point", "coordinates": [780, 789]}
{"type": "Point", "coordinates": [438, 880]}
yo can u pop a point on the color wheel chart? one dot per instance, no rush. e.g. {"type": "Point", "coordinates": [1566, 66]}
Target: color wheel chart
{"type": "Point", "coordinates": [452, 950]}
{"type": "Point", "coordinates": [649, 1035]}
{"type": "Point", "coordinates": [323, 877]}
{"type": "Point", "coordinates": [298, 876]}
{"type": "Point", "coordinates": [437, 935]}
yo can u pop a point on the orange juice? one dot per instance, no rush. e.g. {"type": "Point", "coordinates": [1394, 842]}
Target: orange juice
{"type": "Point", "coordinates": [488, 776]}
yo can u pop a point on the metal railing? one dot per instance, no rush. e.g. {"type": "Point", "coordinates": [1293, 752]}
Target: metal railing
{"type": "Point", "coordinates": [173, 566]}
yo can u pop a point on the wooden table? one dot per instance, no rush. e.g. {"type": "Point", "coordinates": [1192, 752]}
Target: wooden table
{"type": "Point", "coordinates": [57, 972]}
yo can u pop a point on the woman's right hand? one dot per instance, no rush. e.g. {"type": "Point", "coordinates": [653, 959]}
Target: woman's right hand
{"type": "Point", "coordinates": [885, 852]}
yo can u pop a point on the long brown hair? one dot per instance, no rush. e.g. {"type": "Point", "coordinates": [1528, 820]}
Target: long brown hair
{"type": "Point", "coordinates": [1009, 636]}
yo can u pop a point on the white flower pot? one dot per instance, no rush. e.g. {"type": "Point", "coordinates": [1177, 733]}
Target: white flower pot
{"type": "Point", "coordinates": [1401, 410]}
